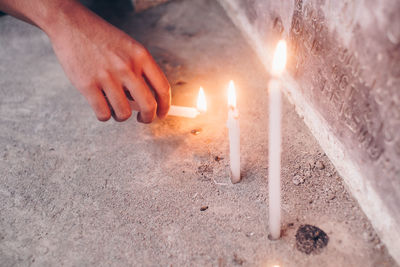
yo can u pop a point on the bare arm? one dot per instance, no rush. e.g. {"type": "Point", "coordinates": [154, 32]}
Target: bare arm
{"type": "Point", "coordinates": [100, 60]}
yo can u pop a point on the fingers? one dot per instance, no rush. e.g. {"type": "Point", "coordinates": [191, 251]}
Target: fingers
{"type": "Point", "coordinates": [142, 95]}
{"type": "Point", "coordinates": [117, 99]}
{"type": "Point", "coordinates": [98, 103]}
{"type": "Point", "coordinates": [134, 105]}
{"type": "Point", "coordinates": [159, 82]}
{"type": "Point", "coordinates": [116, 102]}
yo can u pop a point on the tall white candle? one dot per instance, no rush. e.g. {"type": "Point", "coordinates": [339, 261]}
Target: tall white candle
{"type": "Point", "coordinates": [275, 141]}
{"type": "Point", "coordinates": [234, 134]}
{"type": "Point", "coordinates": [274, 155]}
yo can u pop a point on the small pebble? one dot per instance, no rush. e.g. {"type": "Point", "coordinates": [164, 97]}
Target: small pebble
{"type": "Point", "coordinates": [367, 237]}
{"type": "Point", "coordinates": [237, 259]}
{"type": "Point", "coordinates": [203, 208]}
{"type": "Point", "coordinates": [319, 165]}
{"type": "Point", "coordinates": [250, 234]}
{"type": "Point", "coordinates": [195, 131]}
{"type": "Point", "coordinates": [297, 179]}
{"type": "Point", "coordinates": [218, 158]}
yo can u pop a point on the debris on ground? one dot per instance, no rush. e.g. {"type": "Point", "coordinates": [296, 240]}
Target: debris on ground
{"type": "Point", "coordinates": [297, 180]}
{"type": "Point", "coordinates": [218, 158]}
{"type": "Point", "coordinates": [319, 165]}
{"type": "Point", "coordinates": [237, 260]}
{"type": "Point", "coordinates": [203, 208]}
{"type": "Point", "coordinates": [195, 131]}
{"type": "Point", "coordinates": [311, 239]}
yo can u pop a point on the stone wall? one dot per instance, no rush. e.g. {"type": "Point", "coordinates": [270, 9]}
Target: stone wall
{"type": "Point", "coordinates": [344, 78]}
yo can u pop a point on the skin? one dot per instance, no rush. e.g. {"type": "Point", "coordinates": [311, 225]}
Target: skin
{"type": "Point", "coordinates": [101, 61]}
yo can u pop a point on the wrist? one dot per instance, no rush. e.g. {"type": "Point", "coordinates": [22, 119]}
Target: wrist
{"type": "Point", "coordinates": [59, 16]}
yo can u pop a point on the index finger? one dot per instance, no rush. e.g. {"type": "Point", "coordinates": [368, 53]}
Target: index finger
{"type": "Point", "coordinates": [159, 82]}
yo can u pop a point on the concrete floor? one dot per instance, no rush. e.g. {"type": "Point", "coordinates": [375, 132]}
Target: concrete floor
{"type": "Point", "coordinates": [77, 192]}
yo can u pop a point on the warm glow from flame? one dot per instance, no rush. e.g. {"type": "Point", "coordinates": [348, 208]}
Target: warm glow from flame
{"type": "Point", "coordinates": [279, 61]}
{"type": "Point", "coordinates": [231, 95]}
{"type": "Point", "coordinates": [201, 101]}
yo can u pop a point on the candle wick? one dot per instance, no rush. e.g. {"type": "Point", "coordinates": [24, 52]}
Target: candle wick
{"type": "Point", "coordinates": [233, 108]}
{"type": "Point", "coordinates": [235, 112]}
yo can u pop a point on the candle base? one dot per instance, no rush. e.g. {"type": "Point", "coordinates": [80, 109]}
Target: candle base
{"type": "Point", "coordinates": [270, 237]}
{"type": "Point", "coordinates": [235, 178]}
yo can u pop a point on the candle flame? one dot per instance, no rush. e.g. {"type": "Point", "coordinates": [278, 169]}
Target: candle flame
{"type": "Point", "coordinates": [231, 95]}
{"type": "Point", "coordinates": [279, 61]}
{"type": "Point", "coordinates": [201, 101]}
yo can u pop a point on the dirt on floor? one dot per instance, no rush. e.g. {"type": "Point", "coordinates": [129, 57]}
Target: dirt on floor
{"type": "Point", "coordinates": [77, 192]}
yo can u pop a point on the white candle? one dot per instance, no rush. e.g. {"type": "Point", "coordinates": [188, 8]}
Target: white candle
{"type": "Point", "coordinates": [234, 134]}
{"type": "Point", "coordinates": [180, 111]}
{"type": "Point", "coordinates": [274, 156]}
{"type": "Point", "coordinates": [275, 140]}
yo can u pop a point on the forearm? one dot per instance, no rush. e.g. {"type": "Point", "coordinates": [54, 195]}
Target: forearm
{"type": "Point", "coordinates": [45, 14]}
{"type": "Point", "coordinates": [101, 61]}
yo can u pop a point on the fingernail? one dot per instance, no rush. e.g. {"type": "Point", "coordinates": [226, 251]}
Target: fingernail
{"type": "Point", "coordinates": [162, 116]}
{"type": "Point", "coordinates": [139, 118]}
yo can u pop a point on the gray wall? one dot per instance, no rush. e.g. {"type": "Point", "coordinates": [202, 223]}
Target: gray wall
{"type": "Point", "coordinates": [344, 59]}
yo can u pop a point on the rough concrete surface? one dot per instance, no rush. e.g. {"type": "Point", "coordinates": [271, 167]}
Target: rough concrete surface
{"type": "Point", "coordinates": [77, 192]}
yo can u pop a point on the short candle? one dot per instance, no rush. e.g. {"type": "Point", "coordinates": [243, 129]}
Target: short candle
{"type": "Point", "coordinates": [234, 134]}
{"type": "Point", "coordinates": [180, 111]}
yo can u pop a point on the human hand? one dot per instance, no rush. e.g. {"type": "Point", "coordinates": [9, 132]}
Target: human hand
{"type": "Point", "coordinates": [102, 62]}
